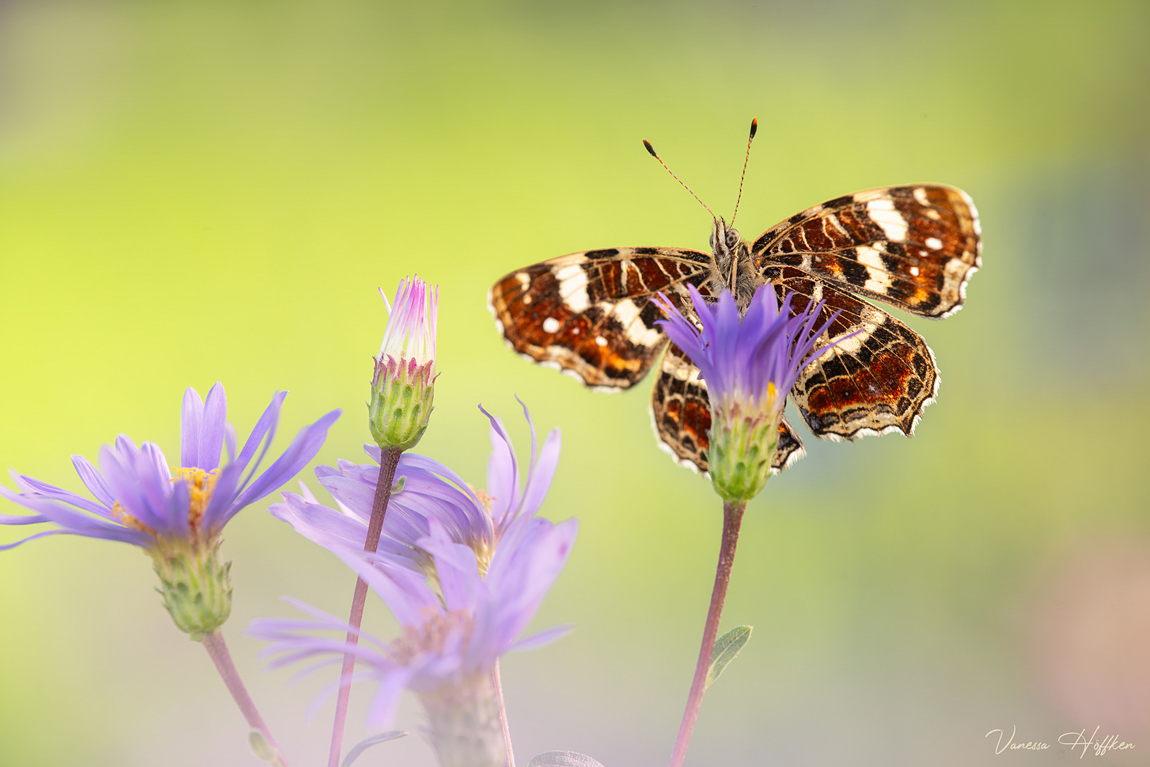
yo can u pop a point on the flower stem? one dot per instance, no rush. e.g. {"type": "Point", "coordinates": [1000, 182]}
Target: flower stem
{"type": "Point", "coordinates": [218, 651]}
{"type": "Point", "coordinates": [503, 714]}
{"type": "Point", "coordinates": [388, 460]}
{"type": "Point", "coordinates": [732, 519]}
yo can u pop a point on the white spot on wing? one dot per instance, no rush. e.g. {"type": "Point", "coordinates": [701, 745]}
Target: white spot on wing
{"type": "Point", "coordinates": [550, 325]}
{"type": "Point", "coordinates": [637, 333]}
{"type": "Point", "coordinates": [920, 195]}
{"type": "Point", "coordinates": [914, 271]}
{"type": "Point", "coordinates": [601, 341]}
{"type": "Point", "coordinates": [573, 287]}
{"type": "Point", "coordinates": [878, 278]}
{"type": "Point", "coordinates": [933, 243]}
{"type": "Point", "coordinates": [882, 212]}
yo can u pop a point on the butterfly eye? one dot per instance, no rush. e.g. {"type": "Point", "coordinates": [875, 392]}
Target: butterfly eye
{"type": "Point", "coordinates": [732, 238]}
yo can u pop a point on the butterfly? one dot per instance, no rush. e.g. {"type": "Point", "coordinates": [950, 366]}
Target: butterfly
{"type": "Point", "coordinates": [591, 314]}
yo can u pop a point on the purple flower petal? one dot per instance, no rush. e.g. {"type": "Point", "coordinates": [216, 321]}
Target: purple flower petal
{"type": "Point", "coordinates": [93, 480]}
{"type": "Point", "coordinates": [502, 471]}
{"type": "Point", "coordinates": [265, 427]}
{"type": "Point", "coordinates": [539, 481]}
{"type": "Point", "coordinates": [212, 429]}
{"type": "Point", "coordinates": [541, 638]}
{"type": "Point", "coordinates": [223, 494]}
{"type": "Point", "coordinates": [383, 706]}
{"type": "Point", "coordinates": [55, 493]}
{"type": "Point", "coordinates": [191, 416]}
{"type": "Point", "coordinates": [306, 444]}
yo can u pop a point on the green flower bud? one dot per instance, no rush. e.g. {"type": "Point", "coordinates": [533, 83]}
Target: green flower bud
{"type": "Point", "coordinates": [402, 388]}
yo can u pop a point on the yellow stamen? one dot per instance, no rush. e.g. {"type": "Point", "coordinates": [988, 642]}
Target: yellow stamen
{"type": "Point", "coordinates": [483, 497]}
{"type": "Point", "coordinates": [127, 520]}
{"type": "Point", "coordinates": [200, 486]}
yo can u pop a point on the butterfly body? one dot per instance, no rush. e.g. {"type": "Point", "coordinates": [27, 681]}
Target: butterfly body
{"type": "Point", "coordinates": [591, 314]}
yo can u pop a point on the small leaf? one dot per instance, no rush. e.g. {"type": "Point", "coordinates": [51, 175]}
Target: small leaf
{"type": "Point", "coordinates": [261, 748]}
{"type": "Point", "coordinates": [398, 486]}
{"type": "Point", "coordinates": [563, 759]}
{"type": "Point", "coordinates": [367, 743]}
{"type": "Point", "coordinates": [726, 650]}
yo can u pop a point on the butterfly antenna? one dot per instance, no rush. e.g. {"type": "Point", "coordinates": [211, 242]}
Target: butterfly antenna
{"type": "Point", "coordinates": [651, 151]}
{"type": "Point", "coordinates": [754, 129]}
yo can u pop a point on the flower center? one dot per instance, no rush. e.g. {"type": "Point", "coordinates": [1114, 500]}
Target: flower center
{"type": "Point", "coordinates": [430, 636]}
{"type": "Point", "coordinates": [200, 486]}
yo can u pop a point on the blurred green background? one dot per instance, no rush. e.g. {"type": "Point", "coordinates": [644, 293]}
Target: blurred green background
{"type": "Point", "coordinates": [192, 192]}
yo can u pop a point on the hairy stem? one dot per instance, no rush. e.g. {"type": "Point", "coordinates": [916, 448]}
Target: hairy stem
{"type": "Point", "coordinates": [503, 714]}
{"type": "Point", "coordinates": [218, 651]}
{"type": "Point", "coordinates": [732, 519]}
{"type": "Point", "coordinates": [388, 460]}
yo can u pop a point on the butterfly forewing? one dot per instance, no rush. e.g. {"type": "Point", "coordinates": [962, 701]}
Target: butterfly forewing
{"type": "Point", "coordinates": [914, 247]}
{"type": "Point", "coordinates": [591, 313]}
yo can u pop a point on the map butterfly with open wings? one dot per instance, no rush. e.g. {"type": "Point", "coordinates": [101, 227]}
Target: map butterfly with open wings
{"type": "Point", "coordinates": [591, 314]}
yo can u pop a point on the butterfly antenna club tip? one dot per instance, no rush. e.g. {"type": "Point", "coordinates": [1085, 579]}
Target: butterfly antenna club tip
{"type": "Point", "coordinates": [651, 151]}
{"type": "Point", "coordinates": [746, 159]}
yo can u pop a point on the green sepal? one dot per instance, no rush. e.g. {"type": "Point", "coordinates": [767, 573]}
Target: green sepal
{"type": "Point", "coordinates": [196, 587]}
{"type": "Point", "coordinates": [400, 407]}
{"type": "Point", "coordinates": [739, 459]}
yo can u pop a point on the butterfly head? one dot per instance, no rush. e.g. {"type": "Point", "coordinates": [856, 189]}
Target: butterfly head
{"type": "Point", "coordinates": [724, 240]}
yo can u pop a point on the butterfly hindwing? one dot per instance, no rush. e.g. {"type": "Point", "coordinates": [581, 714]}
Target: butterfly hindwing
{"type": "Point", "coordinates": [681, 416]}
{"type": "Point", "coordinates": [878, 381]}
{"type": "Point", "coordinates": [591, 313]}
{"type": "Point", "coordinates": [914, 247]}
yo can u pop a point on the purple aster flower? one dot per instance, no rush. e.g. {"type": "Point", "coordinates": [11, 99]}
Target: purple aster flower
{"type": "Point", "coordinates": [452, 636]}
{"type": "Point", "coordinates": [749, 364]}
{"type": "Point", "coordinates": [402, 388]}
{"type": "Point", "coordinates": [425, 492]}
{"type": "Point", "coordinates": [175, 513]}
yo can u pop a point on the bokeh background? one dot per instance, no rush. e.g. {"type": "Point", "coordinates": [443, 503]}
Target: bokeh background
{"type": "Point", "coordinates": [192, 192]}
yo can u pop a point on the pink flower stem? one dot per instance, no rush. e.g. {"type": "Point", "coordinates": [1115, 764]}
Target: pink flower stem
{"type": "Point", "coordinates": [218, 652]}
{"type": "Point", "coordinates": [503, 714]}
{"type": "Point", "coordinates": [388, 460]}
{"type": "Point", "coordinates": [732, 519]}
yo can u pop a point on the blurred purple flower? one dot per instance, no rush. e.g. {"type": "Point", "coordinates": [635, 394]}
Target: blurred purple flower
{"type": "Point", "coordinates": [142, 500]}
{"type": "Point", "coordinates": [428, 491]}
{"type": "Point", "coordinates": [451, 639]}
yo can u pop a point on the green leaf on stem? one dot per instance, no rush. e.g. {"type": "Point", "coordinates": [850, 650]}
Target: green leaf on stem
{"type": "Point", "coordinates": [563, 759]}
{"type": "Point", "coordinates": [367, 743]}
{"type": "Point", "coordinates": [262, 749]}
{"type": "Point", "coordinates": [727, 648]}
